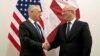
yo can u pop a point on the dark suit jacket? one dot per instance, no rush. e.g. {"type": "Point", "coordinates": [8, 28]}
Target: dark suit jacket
{"type": "Point", "coordinates": [77, 43]}
{"type": "Point", "coordinates": [31, 43]}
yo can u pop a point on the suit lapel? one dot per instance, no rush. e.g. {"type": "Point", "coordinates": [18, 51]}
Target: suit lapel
{"type": "Point", "coordinates": [73, 29]}
{"type": "Point", "coordinates": [63, 31]}
{"type": "Point", "coordinates": [32, 28]}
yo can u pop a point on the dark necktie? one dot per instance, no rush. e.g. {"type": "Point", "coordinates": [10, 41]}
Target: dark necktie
{"type": "Point", "coordinates": [39, 31]}
{"type": "Point", "coordinates": [68, 28]}
{"type": "Point", "coordinates": [37, 28]}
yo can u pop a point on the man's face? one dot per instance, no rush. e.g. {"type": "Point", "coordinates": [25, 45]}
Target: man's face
{"type": "Point", "coordinates": [35, 14]}
{"type": "Point", "coordinates": [67, 13]}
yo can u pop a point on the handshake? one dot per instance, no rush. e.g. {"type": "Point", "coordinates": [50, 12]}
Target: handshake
{"type": "Point", "coordinates": [45, 45]}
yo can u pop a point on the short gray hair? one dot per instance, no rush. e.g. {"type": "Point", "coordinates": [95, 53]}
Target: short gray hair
{"type": "Point", "coordinates": [34, 7]}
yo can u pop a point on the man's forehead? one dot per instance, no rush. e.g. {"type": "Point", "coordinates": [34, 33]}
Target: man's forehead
{"type": "Point", "coordinates": [67, 8]}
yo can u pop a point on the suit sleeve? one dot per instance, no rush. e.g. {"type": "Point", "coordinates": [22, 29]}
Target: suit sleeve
{"type": "Point", "coordinates": [25, 39]}
{"type": "Point", "coordinates": [56, 42]}
{"type": "Point", "coordinates": [87, 40]}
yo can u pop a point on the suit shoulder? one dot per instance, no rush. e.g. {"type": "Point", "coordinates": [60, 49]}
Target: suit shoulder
{"type": "Point", "coordinates": [24, 22]}
{"type": "Point", "coordinates": [82, 22]}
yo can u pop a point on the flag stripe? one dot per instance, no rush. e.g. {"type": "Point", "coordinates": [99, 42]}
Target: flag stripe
{"type": "Point", "coordinates": [13, 41]}
{"type": "Point", "coordinates": [21, 17]}
{"type": "Point", "coordinates": [14, 36]}
{"type": "Point", "coordinates": [14, 28]}
{"type": "Point", "coordinates": [77, 14]}
{"type": "Point", "coordinates": [52, 35]}
{"type": "Point", "coordinates": [17, 18]}
{"type": "Point", "coordinates": [41, 22]}
{"type": "Point", "coordinates": [56, 9]}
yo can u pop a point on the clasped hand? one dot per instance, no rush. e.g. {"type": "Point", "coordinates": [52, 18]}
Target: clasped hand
{"type": "Point", "coordinates": [45, 45]}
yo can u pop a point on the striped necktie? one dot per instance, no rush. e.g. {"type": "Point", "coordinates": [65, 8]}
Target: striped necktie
{"type": "Point", "coordinates": [37, 28]}
{"type": "Point", "coordinates": [39, 31]}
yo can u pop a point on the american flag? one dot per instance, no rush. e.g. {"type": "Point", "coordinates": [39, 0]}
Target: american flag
{"type": "Point", "coordinates": [50, 19]}
{"type": "Point", "coordinates": [21, 8]}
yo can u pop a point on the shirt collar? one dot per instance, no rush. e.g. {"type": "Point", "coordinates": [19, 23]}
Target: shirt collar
{"type": "Point", "coordinates": [32, 21]}
{"type": "Point", "coordinates": [73, 21]}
